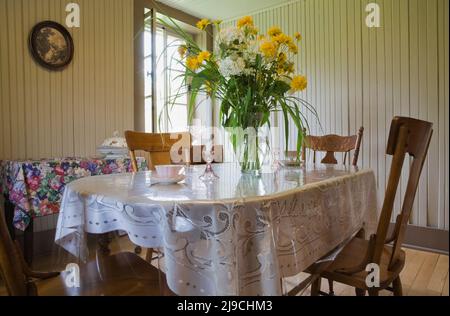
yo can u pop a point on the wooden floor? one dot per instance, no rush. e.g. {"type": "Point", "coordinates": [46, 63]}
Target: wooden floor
{"type": "Point", "coordinates": [425, 273]}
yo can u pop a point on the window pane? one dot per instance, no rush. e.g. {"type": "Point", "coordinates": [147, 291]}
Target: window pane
{"type": "Point", "coordinates": [173, 56]}
{"type": "Point", "coordinates": [148, 111]}
{"type": "Point", "coordinates": [171, 92]}
{"type": "Point", "coordinates": [177, 88]}
{"type": "Point", "coordinates": [148, 115]}
{"type": "Point", "coordinates": [177, 65]}
{"type": "Point", "coordinates": [178, 119]}
{"type": "Point", "coordinates": [147, 43]}
{"type": "Point", "coordinates": [148, 75]}
{"type": "Point", "coordinates": [160, 79]}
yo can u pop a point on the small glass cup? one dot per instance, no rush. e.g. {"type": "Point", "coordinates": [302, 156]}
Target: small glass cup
{"type": "Point", "coordinates": [208, 155]}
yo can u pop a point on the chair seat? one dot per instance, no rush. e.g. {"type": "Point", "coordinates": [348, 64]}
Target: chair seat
{"type": "Point", "coordinates": [352, 255]}
{"type": "Point", "coordinates": [117, 275]}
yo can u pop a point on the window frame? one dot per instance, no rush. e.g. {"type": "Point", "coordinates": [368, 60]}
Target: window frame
{"type": "Point", "coordinates": [144, 9]}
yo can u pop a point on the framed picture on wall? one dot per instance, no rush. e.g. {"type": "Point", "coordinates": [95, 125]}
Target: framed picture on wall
{"type": "Point", "coordinates": [51, 45]}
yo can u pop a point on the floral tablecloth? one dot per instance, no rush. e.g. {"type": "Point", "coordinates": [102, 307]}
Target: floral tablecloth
{"type": "Point", "coordinates": [35, 187]}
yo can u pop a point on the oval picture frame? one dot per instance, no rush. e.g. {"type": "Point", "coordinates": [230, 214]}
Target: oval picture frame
{"type": "Point", "coordinates": [51, 45]}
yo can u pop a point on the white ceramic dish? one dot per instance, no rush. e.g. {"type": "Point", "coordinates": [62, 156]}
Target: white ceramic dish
{"type": "Point", "coordinates": [168, 171]}
{"type": "Point", "coordinates": [113, 152]}
{"type": "Point", "coordinates": [167, 181]}
{"type": "Point", "coordinates": [291, 163]}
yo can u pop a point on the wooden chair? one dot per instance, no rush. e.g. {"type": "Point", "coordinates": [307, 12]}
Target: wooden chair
{"type": "Point", "coordinates": [159, 146]}
{"type": "Point", "coordinates": [332, 144]}
{"type": "Point", "coordinates": [410, 136]}
{"type": "Point", "coordinates": [120, 274]}
{"type": "Point", "coordinates": [196, 155]}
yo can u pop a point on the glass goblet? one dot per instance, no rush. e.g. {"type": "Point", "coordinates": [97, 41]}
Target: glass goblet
{"type": "Point", "coordinates": [208, 155]}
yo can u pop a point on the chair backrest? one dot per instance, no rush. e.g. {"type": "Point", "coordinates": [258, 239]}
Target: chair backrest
{"type": "Point", "coordinates": [160, 146]}
{"type": "Point", "coordinates": [10, 264]}
{"type": "Point", "coordinates": [196, 157]}
{"type": "Point", "coordinates": [407, 136]}
{"type": "Point", "coordinates": [331, 144]}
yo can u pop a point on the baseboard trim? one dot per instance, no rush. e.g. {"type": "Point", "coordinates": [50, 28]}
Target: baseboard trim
{"type": "Point", "coordinates": [424, 238]}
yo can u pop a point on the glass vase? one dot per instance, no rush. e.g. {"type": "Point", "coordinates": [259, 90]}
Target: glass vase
{"type": "Point", "coordinates": [249, 154]}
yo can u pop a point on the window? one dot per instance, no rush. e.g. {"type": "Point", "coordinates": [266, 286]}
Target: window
{"type": "Point", "coordinates": [171, 91]}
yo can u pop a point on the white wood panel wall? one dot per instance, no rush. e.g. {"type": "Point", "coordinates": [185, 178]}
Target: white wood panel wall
{"type": "Point", "coordinates": [364, 77]}
{"type": "Point", "coordinates": [68, 113]}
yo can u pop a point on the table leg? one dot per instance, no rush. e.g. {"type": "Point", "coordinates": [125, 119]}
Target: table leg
{"type": "Point", "coordinates": [28, 234]}
{"type": "Point", "coordinates": [9, 216]}
{"type": "Point", "coordinates": [103, 241]}
{"type": "Point", "coordinates": [28, 243]}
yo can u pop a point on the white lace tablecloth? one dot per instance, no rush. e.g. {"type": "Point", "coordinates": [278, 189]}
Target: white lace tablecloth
{"type": "Point", "coordinates": [237, 236]}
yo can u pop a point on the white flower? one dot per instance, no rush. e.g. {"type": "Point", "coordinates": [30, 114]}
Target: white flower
{"type": "Point", "coordinates": [285, 79]}
{"type": "Point", "coordinates": [232, 66]}
{"type": "Point", "coordinates": [249, 57]}
{"type": "Point", "coordinates": [231, 34]}
{"type": "Point", "coordinates": [249, 71]}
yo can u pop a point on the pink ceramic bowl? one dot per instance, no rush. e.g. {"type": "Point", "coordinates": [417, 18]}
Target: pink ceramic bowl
{"type": "Point", "coordinates": [168, 171]}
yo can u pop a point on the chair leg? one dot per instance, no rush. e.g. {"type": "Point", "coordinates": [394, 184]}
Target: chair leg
{"type": "Point", "coordinates": [315, 287]}
{"type": "Point", "coordinates": [103, 244]}
{"type": "Point", "coordinates": [361, 233]}
{"type": "Point", "coordinates": [28, 243]}
{"type": "Point", "coordinates": [330, 287]}
{"type": "Point", "coordinates": [149, 255]}
{"type": "Point", "coordinates": [9, 216]}
{"type": "Point", "coordinates": [360, 292]}
{"type": "Point", "coordinates": [397, 285]}
{"type": "Point", "coordinates": [373, 292]}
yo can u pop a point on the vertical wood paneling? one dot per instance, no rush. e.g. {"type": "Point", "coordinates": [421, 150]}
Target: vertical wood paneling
{"type": "Point", "coordinates": [2, 9]}
{"type": "Point", "coordinates": [305, 47]}
{"type": "Point", "coordinates": [78, 105]}
{"type": "Point", "coordinates": [446, 113]}
{"type": "Point", "coordinates": [5, 95]}
{"type": "Point", "coordinates": [351, 53]}
{"type": "Point", "coordinates": [404, 77]}
{"type": "Point", "coordinates": [321, 92]}
{"type": "Point", "coordinates": [54, 117]}
{"type": "Point", "coordinates": [129, 71]}
{"type": "Point", "coordinates": [389, 77]}
{"type": "Point", "coordinates": [10, 10]}
{"type": "Point", "coordinates": [423, 105]}
{"type": "Point", "coordinates": [67, 97]}
{"type": "Point", "coordinates": [364, 77]}
{"type": "Point", "coordinates": [372, 111]}
{"type": "Point", "coordinates": [45, 111]}
{"type": "Point", "coordinates": [443, 150]}
{"type": "Point", "coordinates": [89, 51]}
{"type": "Point", "coordinates": [344, 114]}
{"type": "Point", "coordinates": [381, 106]}
{"type": "Point", "coordinates": [433, 108]}
{"type": "Point", "coordinates": [414, 81]}
{"type": "Point", "coordinates": [336, 105]}
{"type": "Point", "coordinates": [67, 113]}
{"type": "Point", "coordinates": [329, 65]}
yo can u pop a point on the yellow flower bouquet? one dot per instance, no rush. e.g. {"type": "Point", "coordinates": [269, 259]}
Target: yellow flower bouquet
{"type": "Point", "coordinates": [252, 75]}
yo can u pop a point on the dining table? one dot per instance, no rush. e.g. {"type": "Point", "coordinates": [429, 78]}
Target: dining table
{"type": "Point", "coordinates": [33, 188]}
{"type": "Point", "coordinates": [238, 235]}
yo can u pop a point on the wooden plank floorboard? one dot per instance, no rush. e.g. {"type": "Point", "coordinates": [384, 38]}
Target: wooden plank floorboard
{"type": "Point", "coordinates": [437, 281]}
{"type": "Point", "coordinates": [425, 273]}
